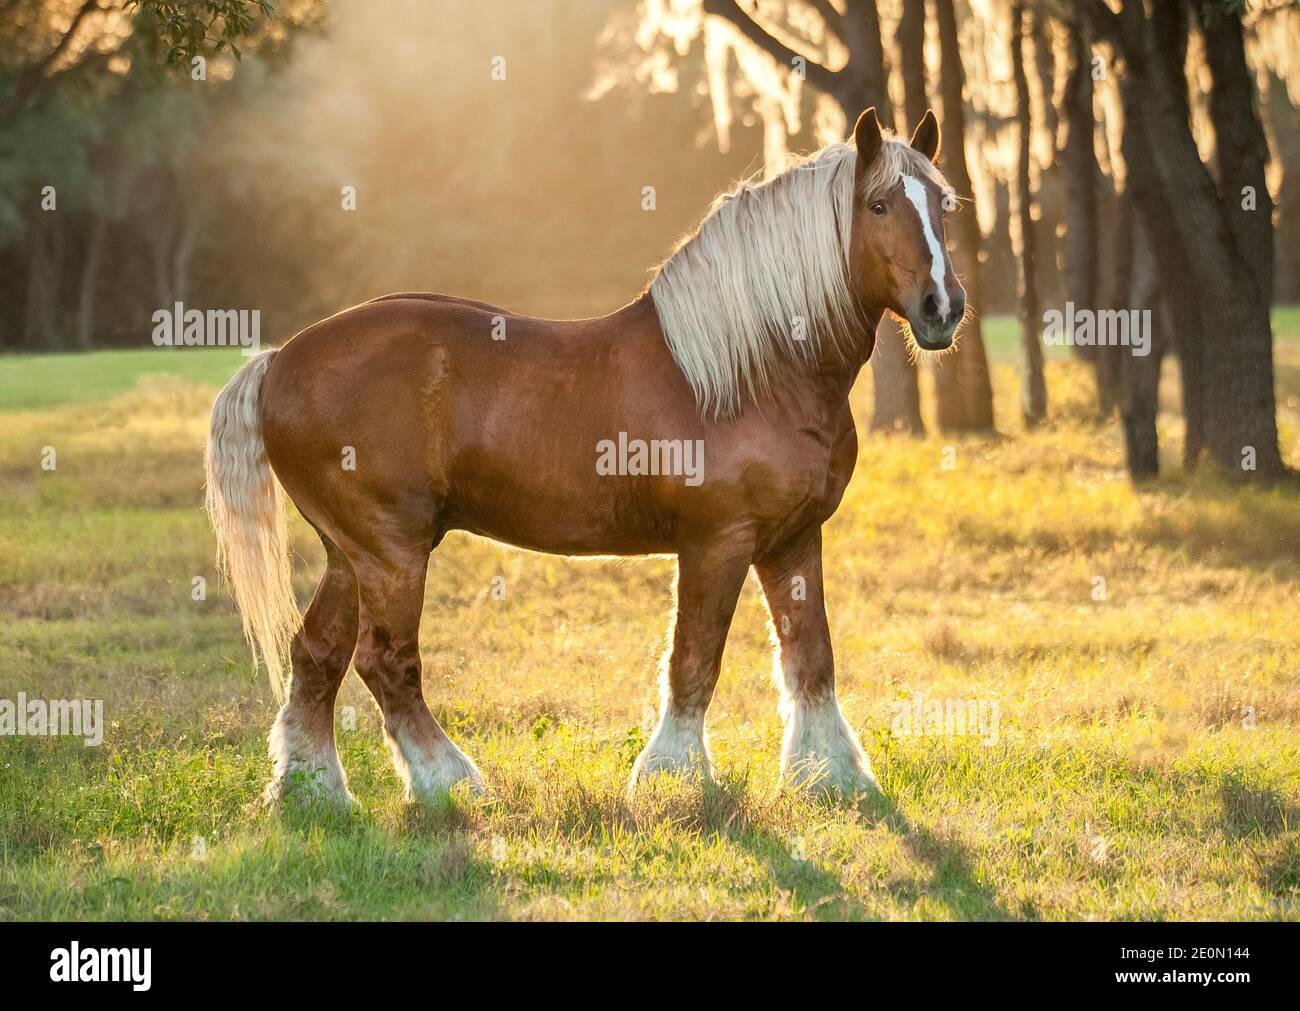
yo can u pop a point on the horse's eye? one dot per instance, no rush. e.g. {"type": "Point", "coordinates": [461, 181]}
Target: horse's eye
{"type": "Point", "coordinates": [878, 207]}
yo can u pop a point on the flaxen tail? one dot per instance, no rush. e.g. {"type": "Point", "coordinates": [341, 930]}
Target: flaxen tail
{"type": "Point", "coordinates": [246, 507]}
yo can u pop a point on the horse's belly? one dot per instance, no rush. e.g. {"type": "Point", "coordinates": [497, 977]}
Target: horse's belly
{"type": "Point", "coordinates": [573, 542]}
{"type": "Point", "coordinates": [580, 520]}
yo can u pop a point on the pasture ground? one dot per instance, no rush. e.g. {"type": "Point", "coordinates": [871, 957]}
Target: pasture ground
{"type": "Point", "coordinates": [1146, 762]}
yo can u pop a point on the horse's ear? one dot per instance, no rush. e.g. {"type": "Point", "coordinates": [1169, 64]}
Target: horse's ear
{"type": "Point", "coordinates": [867, 137]}
{"type": "Point", "coordinates": [926, 137]}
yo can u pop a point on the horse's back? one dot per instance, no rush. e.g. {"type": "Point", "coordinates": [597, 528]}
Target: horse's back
{"type": "Point", "coordinates": [433, 296]}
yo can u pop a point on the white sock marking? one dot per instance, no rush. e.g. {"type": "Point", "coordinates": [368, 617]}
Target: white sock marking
{"type": "Point", "coordinates": [819, 747]}
{"type": "Point", "coordinates": [293, 751]}
{"type": "Point", "coordinates": [677, 743]}
{"type": "Point", "coordinates": [427, 772]}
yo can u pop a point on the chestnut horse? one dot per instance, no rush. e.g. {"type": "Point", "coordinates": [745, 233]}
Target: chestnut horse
{"type": "Point", "coordinates": [400, 419]}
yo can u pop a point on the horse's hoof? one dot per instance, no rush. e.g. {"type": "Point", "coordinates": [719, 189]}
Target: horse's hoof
{"type": "Point", "coordinates": [821, 778]}
{"type": "Point", "coordinates": [676, 746]}
{"type": "Point", "coordinates": [449, 770]}
{"type": "Point", "coordinates": [306, 787]}
{"type": "Point", "coordinates": [694, 767]}
{"type": "Point", "coordinates": [443, 796]}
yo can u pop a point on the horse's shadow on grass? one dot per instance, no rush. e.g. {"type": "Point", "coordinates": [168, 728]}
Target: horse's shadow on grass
{"type": "Point", "coordinates": [953, 883]}
{"type": "Point", "coordinates": [431, 866]}
{"type": "Point", "coordinates": [744, 816]}
{"type": "Point", "coordinates": [734, 809]}
{"type": "Point", "coordinates": [1250, 811]}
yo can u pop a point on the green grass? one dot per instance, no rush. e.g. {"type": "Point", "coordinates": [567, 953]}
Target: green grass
{"type": "Point", "coordinates": [35, 381]}
{"type": "Point", "coordinates": [1147, 763]}
{"type": "Point", "coordinates": [1002, 335]}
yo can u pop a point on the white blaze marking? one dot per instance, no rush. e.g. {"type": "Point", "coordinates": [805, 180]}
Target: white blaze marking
{"type": "Point", "coordinates": [916, 192]}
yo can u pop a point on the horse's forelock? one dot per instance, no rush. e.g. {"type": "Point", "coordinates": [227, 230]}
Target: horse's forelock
{"type": "Point", "coordinates": [896, 160]}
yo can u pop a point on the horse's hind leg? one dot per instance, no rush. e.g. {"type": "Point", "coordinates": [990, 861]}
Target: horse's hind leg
{"type": "Point", "coordinates": [302, 739]}
{"type": "Point", "coordinates": [388, 660]}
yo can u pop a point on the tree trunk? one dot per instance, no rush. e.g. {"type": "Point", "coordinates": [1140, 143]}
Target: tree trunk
{"type": "Point", "coordinates": [1045, 68]}
{"type": "Point", "coordinates": [867, 78]}
{"type": "Point", "coordinates": [964, 394]}
{"type": "Point", "coordinates": [1161, 73]}
{"type": "Point", "coordinates": [189, 232]}
{"type": "Point", "coordinates": [896, 393]}
{"type": "Point", "coordinates": [1241, 385]}
{"type": "Point", "coordinates": [1241, 150]}
{"type": "Point", "coordinates": [1210, 263]}
{"type": "Point", "coordinates": [1117, 235]}
{"type": "Point", "coordinates": [909, 40]}
{"type": "Point", "coordinates": [1079, 162]}
{"type": "Point", "coordinates": [42, 328]}
{"type": "Point", "coordinates": [90, 282]}
{"type": "Point", "coordinates": [1140, 376]}
{"type": "Point", "coordinates": [1034, 396]}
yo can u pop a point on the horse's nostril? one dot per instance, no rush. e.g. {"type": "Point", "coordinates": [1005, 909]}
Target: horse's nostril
{"type": "Point", "coordinates": [930, 307]}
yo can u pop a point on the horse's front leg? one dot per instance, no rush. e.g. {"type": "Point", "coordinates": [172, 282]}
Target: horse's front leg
{"type": "Point", "coordinates": [709, 580]}
{"type": "Point", "coordinates": [821, 750]}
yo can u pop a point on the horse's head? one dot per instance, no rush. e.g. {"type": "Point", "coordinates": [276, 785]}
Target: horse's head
{"type": "Point", "coordinates": [897, 255]}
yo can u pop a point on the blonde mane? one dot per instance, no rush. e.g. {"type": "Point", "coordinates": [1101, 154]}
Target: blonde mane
{"type": "Point", "coordinates": [765, 274]}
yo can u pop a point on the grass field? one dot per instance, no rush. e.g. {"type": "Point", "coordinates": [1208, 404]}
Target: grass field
{"type": "Point", "coordinates": [1146, 764]}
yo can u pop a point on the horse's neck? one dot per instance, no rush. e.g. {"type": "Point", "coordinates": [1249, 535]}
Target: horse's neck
{"type": "Point", "coordinates": [826, 377]}
{"type": "Point", "coordinates": [813, 392]}
{"type": "Point", "coordinates": [841, 357]}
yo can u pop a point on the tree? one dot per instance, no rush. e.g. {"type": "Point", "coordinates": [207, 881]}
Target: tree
{"type": "Point", "coordinates": [187, 28]}
{"type": "Point", "coordinates": [1082, 241]}
{"type": "Point", "coordinates": [91, 125]}
{"type": "Point", "coordinates": [1213, 237]}
{"type": "Point", "coordinates": [964, 390]}
{"type": "Point", "coordinates": [896, 393]}
{"type": "Point", "coordinates": [861, 82]}
{"type": "Point", "coordinates": [1138, 376]}
{"type": "Point", "coordinates": [1034, 394]}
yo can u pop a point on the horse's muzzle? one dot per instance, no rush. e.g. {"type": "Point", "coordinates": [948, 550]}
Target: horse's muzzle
{"type": "Point", "coordinates": [934, 335]}
{"type": "Point", "coordinates": [933, 329]}
{"type": "Point", "coordinates": [937, 341]}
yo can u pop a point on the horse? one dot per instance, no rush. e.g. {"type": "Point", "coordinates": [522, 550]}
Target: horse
{"type": "Point", "coordinates": [403, 418]}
